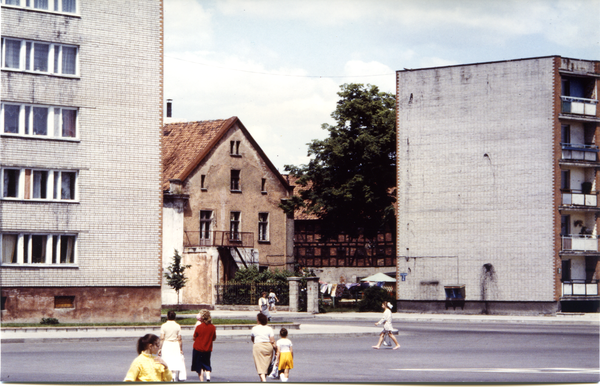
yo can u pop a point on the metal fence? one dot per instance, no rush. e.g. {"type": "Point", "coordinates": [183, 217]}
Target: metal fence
{"type": "Point", "coordinates": [233, 293]}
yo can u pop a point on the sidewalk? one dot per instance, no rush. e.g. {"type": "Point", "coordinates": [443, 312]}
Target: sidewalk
{"type": "Point", "coordinates": [304, 324]}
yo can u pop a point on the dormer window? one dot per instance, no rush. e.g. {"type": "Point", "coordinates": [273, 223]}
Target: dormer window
{"type": "Point", "coordinates": [234, 148]}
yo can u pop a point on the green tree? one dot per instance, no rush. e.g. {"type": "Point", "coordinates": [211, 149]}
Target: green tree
{"type": "Point", "coordinates": [349, 183]}
{"type": "Point", "coordinates": [175, 274]}
{"type": "Point", "coordinates": [372, 299]}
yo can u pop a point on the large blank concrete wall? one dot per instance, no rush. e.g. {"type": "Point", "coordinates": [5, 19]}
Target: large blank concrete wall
{"type": "Point", "coordinates": [475, 181]}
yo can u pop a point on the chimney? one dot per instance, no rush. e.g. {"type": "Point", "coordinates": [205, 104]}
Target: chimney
{"type": "Point", "coordinates": [169, 108]}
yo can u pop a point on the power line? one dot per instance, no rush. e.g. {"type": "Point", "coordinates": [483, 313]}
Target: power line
{"type": "Point", "coordinates": [279, 75]}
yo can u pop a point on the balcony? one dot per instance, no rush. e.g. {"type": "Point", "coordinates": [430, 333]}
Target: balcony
{"type": "Point", "coordinates": [579, 242]}
{"type": "Point", "coordinates": [575, 105]}
{"type": "Point", "coordinates": [218, 239]}
{"type": "Point", "coordinates": [579, 152]}
{"type": "Point", "coordinates": [578, 198]}
{"type": "Point", "coordinates": [579, 288]}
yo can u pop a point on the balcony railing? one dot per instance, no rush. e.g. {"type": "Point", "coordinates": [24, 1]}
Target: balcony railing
{"type": "Point", "coordinates": [218, 239]}
{"type": "Point", "coordinates": [575, 105]}
{"type": "Point", "coordinates": [580, 288]}
{"type": "Point", "coordinates": [580, 242]}
{"type": "Point", "coordinates": [579, 152]}
{"type": "Point", "coordinates": [578, 198]}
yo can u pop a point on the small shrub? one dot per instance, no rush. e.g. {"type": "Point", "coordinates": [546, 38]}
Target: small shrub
{"type": "Point", "coordinates": [49, 321]}
{"type": "Point", "coordinates": [373, 297]}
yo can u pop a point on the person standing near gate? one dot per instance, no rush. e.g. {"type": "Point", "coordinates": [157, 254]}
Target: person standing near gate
{"type": "Point", "coordinates": [263, 305]}
{"type": "Point", "coordinates": [272, 299]}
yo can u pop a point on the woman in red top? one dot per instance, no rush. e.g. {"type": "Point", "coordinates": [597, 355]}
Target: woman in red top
{"type": "Point", "coordinates": [204, 335]}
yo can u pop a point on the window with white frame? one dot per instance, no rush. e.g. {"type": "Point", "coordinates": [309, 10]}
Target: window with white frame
{"type": "Point", "coordinates": [39, 184]}
{"type": "Point", "coordinates": [35, 120]}
{"type": "Point", "coordinates": [38, 248]}
{"type": "Point", "coordinates": [43, 57]}
{"type": "Point", "coordinates": [62, 6]}
{"type": "Point", "coordinates": [263, 227]}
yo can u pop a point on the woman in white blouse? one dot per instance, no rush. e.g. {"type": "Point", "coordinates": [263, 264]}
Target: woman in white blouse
{"type": "Point", "coordinates": [263, 338]}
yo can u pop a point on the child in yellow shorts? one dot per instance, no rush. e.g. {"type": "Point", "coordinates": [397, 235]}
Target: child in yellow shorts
{"type": "Point", "coordinates": [286, 355]}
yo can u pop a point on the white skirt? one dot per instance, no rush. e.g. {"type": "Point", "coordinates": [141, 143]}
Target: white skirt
{"type": "Point", "coordinates": [171, 354]}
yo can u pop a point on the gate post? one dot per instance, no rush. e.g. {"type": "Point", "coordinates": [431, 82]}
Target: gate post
{"type": "Point", "coordinates": [293, 283]}
{"type": "Point", "coordinates": [312, 295]}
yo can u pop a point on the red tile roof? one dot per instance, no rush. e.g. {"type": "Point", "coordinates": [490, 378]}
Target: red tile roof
{"type": "Point", "coordinates": [186, 143]}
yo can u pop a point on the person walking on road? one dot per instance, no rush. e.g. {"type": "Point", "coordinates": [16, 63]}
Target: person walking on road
{"type": "Point", "coordinates": [263, 339]}
{"type": "Point", "coordinates": [285, 354]}
{"type": "Point", "coordinates": [386, 320]}
{"type": "Point", "coordinates": [263, 305]}
{"type": "Point", "coordinates": [171, 347]}
{"type": "Point", "coordinates": [204, 335]}
{"type": "Point", "coordinates": [148, 367]}
{"type": "Point", "coordinates": [272, 299]}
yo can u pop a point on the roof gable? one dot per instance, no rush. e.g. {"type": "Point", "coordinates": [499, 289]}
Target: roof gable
{"type": "Point", "coordinates": [186, 144]}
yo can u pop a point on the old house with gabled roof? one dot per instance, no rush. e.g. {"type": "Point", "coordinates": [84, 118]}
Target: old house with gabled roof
{"type": "Point", "coordinates": [221, 206]}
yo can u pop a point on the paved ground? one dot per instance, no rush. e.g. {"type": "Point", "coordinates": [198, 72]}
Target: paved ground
{"type": "Point", "coordinates": [328, 324]}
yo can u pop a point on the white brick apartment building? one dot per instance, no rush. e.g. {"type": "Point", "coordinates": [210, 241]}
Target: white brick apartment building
{"type": "Point", "coordinates": [80, 159]}
{"type": "Point", "coordinates": [497, 187]}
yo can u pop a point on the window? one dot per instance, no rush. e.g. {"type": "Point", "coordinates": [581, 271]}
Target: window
{"type": "Point", "coordinates": [9, 248]}
{"type": "Point", "coordinates": [235, 180]}
{"type": "Point", "coordinates": [45, 121]}
{"type": "Point", "coordinates": [565, 180]}
{"type": "Point", "coordinates": [50, 249]}
{"type": "Point", "coordinates": [64, 302]}
{"type": "Point", "coordinates": [62, 6]}
{"type": "Point", "coordinates": [263, 185]}
{"type": "Point", "coordinates": [203, 182]}
{"type": "Point", "coordinates": [205, 221]}
{"type": "Point", "coordinates": [39, 184]}
{"type": "Point", "coordinates": [565, 136]}
{"type": "Point", "coordinates": [11, 183]}
{"type": "Point", "coordinates": [263, 227]}
{"type": "Point", "coordinates": [234, 226]}
{"type": "Point", "coordinates": [43, 57]}
{"type": "Point", "coordinates": [234, 148]}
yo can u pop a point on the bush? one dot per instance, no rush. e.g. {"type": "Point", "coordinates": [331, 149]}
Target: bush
{"type": "Point", "coordinates": [49, 321]}
{"type": "Point", "coordinates": [373, 297]}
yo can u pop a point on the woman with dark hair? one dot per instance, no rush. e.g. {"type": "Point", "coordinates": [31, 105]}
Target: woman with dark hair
{"type": "Point", "coordinates": [204, 335]}
{"type": "Point", "coordinates": [263, 338]}
{"type": "Point", "coordinates": [171, 347]}
{"type": "Point", "coordinates": [148, 367]}
{"type": "Point", "coordinates": [263, 305]}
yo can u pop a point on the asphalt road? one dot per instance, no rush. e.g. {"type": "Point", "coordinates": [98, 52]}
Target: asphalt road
{"type": "Point", "coordinates": [430, 352]}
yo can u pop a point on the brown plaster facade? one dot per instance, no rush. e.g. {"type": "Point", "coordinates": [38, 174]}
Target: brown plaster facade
{"type": "Point", "coordinates": [231, 217]}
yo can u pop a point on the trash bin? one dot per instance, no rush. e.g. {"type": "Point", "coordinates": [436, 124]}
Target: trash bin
{"type": "Point", "coordinates": [455, 296]}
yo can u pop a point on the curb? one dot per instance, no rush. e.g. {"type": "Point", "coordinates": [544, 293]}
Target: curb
{"type": "Point", "coordinates": [187, 328]}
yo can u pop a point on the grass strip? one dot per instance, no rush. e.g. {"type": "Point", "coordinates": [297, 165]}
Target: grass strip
{"type": "Point", "coordinates": [185, 322]}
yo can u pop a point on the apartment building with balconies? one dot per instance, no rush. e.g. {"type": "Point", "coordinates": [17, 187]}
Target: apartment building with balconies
{"type": "Point", "coordinates": [80, 165]}
{"type": "Point", "coordinates": [498, 185]}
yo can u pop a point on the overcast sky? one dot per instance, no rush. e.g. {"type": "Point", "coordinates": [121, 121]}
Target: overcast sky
{"type": "Point", "coordinates": [278, 65]}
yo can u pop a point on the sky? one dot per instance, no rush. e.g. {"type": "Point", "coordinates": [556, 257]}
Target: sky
{"type": "Point", "coordinates": [278, 64]}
